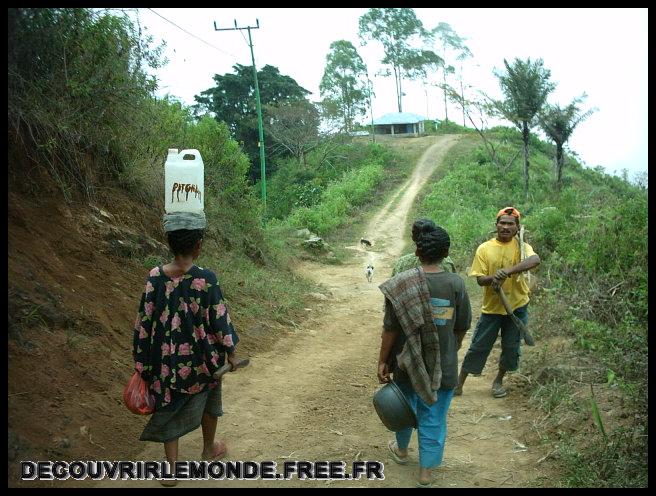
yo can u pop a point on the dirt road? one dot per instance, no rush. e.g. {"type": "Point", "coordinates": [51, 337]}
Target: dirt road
{"type": "Point", "coordinates": [310, 397]}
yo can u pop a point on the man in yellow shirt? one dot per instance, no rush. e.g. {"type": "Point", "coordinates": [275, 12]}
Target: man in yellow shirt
{"type": "Point", "coordinates": [498, 264]}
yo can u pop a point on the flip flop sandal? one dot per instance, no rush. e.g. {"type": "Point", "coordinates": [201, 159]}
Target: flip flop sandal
{"type": "Point", "coordinates": [424, 484]}
{"type": "Point", "coordinates": [499, 392]}
{"type": "Point", "coordinates": [395, 456]}
{"type": "Point", "coordinates": [219, 450]}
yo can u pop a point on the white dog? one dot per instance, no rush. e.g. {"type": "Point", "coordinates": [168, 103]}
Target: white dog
{"type": "Point", "coordinates": [369, 272]}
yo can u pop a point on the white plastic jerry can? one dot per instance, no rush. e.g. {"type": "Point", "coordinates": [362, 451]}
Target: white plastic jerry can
{"type": "Point", "coordinates": [184, 181]}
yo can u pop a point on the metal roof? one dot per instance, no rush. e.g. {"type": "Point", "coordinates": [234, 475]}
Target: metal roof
{"type": "Point", "coordinates": [399, 118]}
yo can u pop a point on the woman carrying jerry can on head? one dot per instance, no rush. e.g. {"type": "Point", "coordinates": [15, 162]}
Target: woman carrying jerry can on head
{"type": "Point", "coordinates": [183, 333]}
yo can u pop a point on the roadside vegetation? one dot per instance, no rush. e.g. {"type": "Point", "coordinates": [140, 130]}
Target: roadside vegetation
{"type": "Point", "coordinates": [589, 307]}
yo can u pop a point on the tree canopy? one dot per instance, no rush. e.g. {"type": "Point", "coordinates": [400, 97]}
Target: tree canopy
{"type": "Point", "coordinates": [294, 127]}
{"type": "Point", "coordinates": [525, 86]}
{"type": "Point", "coordinates": [232, 100]}
{"type": "Point", "coordinates": [559, 124]}
{"type": "Point", "coordinates": [396, 29]}
{"type": "Point", "coordinates": [344, 82]}
{"type": "Point", "coordinates": [452, 44]}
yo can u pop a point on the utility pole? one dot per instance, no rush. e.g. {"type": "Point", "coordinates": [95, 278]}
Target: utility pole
{"type": "Point", "coordinates": [258, 105]}
{"type": "Point", "coordinates": [370, 87]}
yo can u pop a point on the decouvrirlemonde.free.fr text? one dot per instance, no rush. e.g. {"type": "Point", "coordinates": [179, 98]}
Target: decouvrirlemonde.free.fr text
{"type": "Point", "coordinates": [201, 470]}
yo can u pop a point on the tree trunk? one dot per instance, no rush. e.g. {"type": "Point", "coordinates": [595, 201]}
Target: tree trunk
{"type": "Point", "coordinates": [398, 89]}
{"type": "Point", "coordinates": [348, 121]}
{"type": "Point", "coordinates": [400, 93]}
{"type": "Point", "coordinates": [559, 165]}
{"type": "Point", "coordinates": [446, 113]}
{"type": "Point", "coordinates": [462, 95]}
{"type": "Point", "coordinates": [525, 136]}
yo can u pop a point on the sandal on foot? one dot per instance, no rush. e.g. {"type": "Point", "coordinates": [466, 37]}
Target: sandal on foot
{"type": "Point", "coordinates": [168, 482]}
{"type": "Point", "coordinates": [391, 446]}
{"type": "Point", "coordinates": [498, 391]}
{"type": "Point", "coordinates": [219, 450]}
{"type": "Point", "coordinates": [424, 484]}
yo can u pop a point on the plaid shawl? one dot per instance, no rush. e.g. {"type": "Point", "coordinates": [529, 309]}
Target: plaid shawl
{"type": "Point", "coordinates": [420, 358]}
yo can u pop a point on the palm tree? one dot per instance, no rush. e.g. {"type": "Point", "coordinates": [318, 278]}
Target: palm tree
{"type": "Point", "coordinates": [526, 86]}
{"type": "Point", "coordinates": [559, 124]}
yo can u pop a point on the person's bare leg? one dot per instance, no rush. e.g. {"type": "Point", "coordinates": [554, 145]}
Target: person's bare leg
{"type": "Point", "coordinates": [401, 452]}
{"type": "Point", "coordinates": [497, 385]}
{"type": "Point", "coordinates": [424, 475]}
{"type": "Point", "coordinates": [171, 452]}
{"type": "Point", "coordinates": [211, 449]}
{"type": "Point", "coordinates": [461, 382]}
{"type": "Point", "coordinates": [208, 424]}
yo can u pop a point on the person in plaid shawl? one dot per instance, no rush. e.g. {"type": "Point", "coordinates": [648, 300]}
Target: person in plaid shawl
{"type": "Point", "coordinates": [427, 313]}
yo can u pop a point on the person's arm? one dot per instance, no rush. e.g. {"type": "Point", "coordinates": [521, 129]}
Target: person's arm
{"type": "Point", "coordinates": [484, 280]}
{"type": "Point", "coordinates": [387, 339]}
{"type": "Point", "coordinates": [221, 325]}
{"type": "Point", "coordinates": [143, 328]}
{"type": "Point", "coordinates": [526, 264]}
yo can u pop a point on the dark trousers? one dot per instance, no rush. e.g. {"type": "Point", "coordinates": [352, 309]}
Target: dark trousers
{"type": "Point", "coordinates": [486, 333]}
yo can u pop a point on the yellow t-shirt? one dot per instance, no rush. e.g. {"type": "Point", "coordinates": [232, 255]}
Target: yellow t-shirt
{"type": "Point", "coordinates": [492, 256]}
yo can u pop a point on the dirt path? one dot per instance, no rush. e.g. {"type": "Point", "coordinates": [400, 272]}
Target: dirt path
{"type": "Point", "coordinates": [310, 397]}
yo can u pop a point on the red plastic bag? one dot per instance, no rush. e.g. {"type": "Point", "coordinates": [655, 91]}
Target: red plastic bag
{"type": "Point", "coordinates": [137, 396]}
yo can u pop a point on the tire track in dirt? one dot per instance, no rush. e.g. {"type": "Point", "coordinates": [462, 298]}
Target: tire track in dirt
{"type": "Point", "coordinates": [310, 396]}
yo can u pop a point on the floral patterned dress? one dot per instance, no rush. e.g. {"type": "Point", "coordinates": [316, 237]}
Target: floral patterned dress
{"type": "Point", "coordinates": [182, 333]}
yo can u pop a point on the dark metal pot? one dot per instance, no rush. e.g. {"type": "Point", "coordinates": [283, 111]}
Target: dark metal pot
{"type": "Point", "coordinates": [393, 408]}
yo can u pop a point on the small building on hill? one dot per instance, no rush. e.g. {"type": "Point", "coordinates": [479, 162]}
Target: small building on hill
{"type": "Point", "coordinates": [399, 123]}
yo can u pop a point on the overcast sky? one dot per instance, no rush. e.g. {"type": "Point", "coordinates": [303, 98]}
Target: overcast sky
{"type": "Point", "coordinates": [602, 52]}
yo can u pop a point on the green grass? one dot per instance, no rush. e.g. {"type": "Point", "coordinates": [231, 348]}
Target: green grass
{"type": "Point", "coordinates": [591, 293]}
{"type": "Point", "coordinates": [268, 295]}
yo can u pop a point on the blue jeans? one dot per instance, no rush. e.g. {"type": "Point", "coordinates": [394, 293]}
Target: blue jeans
{"type": "Point", "coordinates": [486, 333]}
{"type": "Point", "coordinates": [431, 422]}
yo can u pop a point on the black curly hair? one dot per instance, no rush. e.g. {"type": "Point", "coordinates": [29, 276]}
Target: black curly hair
{"type": "Point", "coordinates": [432, 244]}
{"type": "Point", "coordinates": [183, 241]}
{"type": "Point", "coordinates": [420, 225]}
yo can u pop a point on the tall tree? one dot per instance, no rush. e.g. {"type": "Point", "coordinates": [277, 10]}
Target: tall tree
{"type": "Point", "coordinates": [344, 82]}
{"type": "Point", "coordinates": [396, 29]}
{"type": "Point", "coordinates": [559, 124]}
{"type": "Point", "coordinates": [525, 85]}
{"type": "Point", "coordinates": [452, 46]}
{"type": "Point", "coordinates": [232, 100]}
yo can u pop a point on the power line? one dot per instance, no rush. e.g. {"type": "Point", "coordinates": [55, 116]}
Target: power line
{"type": "Point", "coordinates": [191, 34]}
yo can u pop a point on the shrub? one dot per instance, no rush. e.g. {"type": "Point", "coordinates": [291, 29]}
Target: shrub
{"type": "Point", "coordinates": [76, 79]}
{"type": "Point", "coordinates": [337, 201]}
